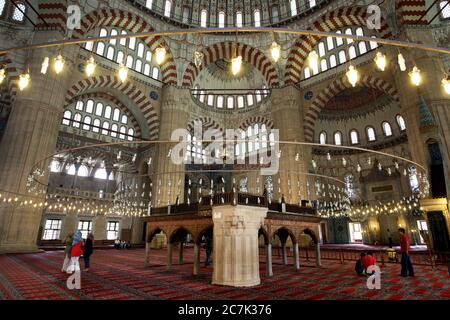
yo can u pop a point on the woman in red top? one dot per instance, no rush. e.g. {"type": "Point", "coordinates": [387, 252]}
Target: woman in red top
{"type": "Point", "coordinates": [407, 267]}
{"type": "Point", "coordinates": [368, 260]}
{"type": "Point", "coordinates": [77, 251]}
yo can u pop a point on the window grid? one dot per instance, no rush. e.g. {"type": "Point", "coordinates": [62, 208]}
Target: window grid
{"type": "Point", "coordinates": [52, 230]}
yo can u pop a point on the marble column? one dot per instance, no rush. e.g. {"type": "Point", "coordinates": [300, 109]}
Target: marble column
{"type": "Point", "coordinates": [284, 253]}
{"type": "Point", "coordinates": [296, 257]}
{"type": "Point", "coordinates": [269, 260]}
{"type": "Point", "coordinates": [236, 248]}
{"type": "Point", "coordinates": [169, 256]}
{"type": "Point", "coordinates": [30, 135]}
{"type": "Point", "coordinates": [180, 257]}
{"type": "Point", "coordinates": [318, 259]}
{"type": "Point", "coordinates": [196, 259]}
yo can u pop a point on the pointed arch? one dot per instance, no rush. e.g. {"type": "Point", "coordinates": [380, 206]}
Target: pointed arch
{"type": "Point", "coordinates": [256, 119]}
{"type": "Point", "coordinates": [207, 123]}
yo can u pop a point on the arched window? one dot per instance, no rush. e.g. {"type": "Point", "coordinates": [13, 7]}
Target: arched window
{"type": "Point", "coordinates": [239, 21]}
{"type": "Point", "coordinates": [210, 100]}
{"type": "Point", "coordinates": [90, 106]}
{"type": "Point", "coordinates": [167, 8]}
{"type": "Point", "coordinates": [108, 112]}
{"type": "Point", "coordinates": [130, 134]}
{"type": "Point", "coordinates": [54, 165]}
{"type": "Point", "coordinates": [155, 73]}
{"type": "Point", "coordinates": [101, 174]}
{"type": "Point", "coordinates": [119, 58]}
{"type": "Point", "coordinates": [96, 125]}
{"type": "Point", "coordinates": [124, 119]}
{"type": "Point", "coordinates": [333, 62]}
{"type": "Point", "coordinates": [293, 5]}
{"type": "Point", "coordinates": [275, 16]}
{"type": "Point", "coordinates": [322, 49]}
{"type": "Point", "coordinates": [373, 44]}
{"type": "Point", "coordinates": [220, 102]}
{"type": "Point", "coordinates": [114, 130]}
{"type": "Point", "coordinates": [66, 118]}
{"type": "Point", "coordinates": [221, 19]}
{"type": "Point", "coordinates": [123, 131]}
{"type": "Point", "coordinates": [342, 57]}
{"type": "Point", "coordinates": [203, 18]}
{"type": "Point", "coordinates": [387, 129]}
{"type": "Point", "coordinates": [330, 43]}
{"type": "Point", "coordinates": [323, 137]}
{"type": "Point", "coordinates": [116, 114]}
{"type": "Point", "coordinates": [354, 138]}
{"type": "Point", "coordinates": [83, 171]}
{"type": "Point", "coordinates": [339, 40]}
{"type": "Point", "coordinates": [312, 3]}
{"type": "Point", "coordinates": [413, 179]}
{"type": "Point", "coordinates": [71, 171]}
{"type": "Point", "coordinates": [76, 120]}
{"type": "Point", "coordinates": [123, 41]}
{"type": "Point", "coordinates": [111, 176]}
{"type": "Point", "coordinates": [445, 9]}
{"type": "Point", "coordinates": [349, 32]}
{"type": "Point", "coordinates": [370, 134]}
{"type": "Point", "coordinates": [138, 66]}
{"type": "Point", "coordinates": [2, 6]}
{"type": "Point", "coordinates": [88, 45]}
{"type": "Point", "coordinates": [113, 33]}
{"type": "Point", "coordinates": [401, 122]}
{"type": "Point", "coordinates": [132, 43]}
{"type": "Point", "coordinates": [87, 123]}
{"type": "Point", "coordinates": [359, 32]}
{"type": "Point", "coordinates": [240, 102]}
{"type": "Point", "coordinates": [185, 14]}
{"type": "Point", "coordinates": [149, 3]}
{"type": "Point", "coordinates": [99, 109]}
{"type": "Point", "coordinates": [100, 48]}
{"type": "Point", "coordinates": [257, 18]}
{"type": "Point", "coordinates": [105, 130]}
{"type": "Point", "coordinates": [362, 47]}
{"type": "Point", "coordinates": [243, 185]}
{"type": "Point", "coordinates": [352, 52]}
{"type": "Point", "coordinates": [258, 96]}
{"type": "Point", "coordinates": [230, 102]}
{"type": "Point", "coordinates": [140, 50]}
{"type": "Point", "coordinates": [250, 100]}
{"type": "Point", "coordinates": [148, 56]}
{"type": "Point", "coordinates": [130, 61]}
{"type": "Point", "coordinates": [19, 12]}
{"type": "Point", "coordinates": [147, 69]}
{"type": "Point", "coordinates": [307, 72]}
{"type": "Point", "coordinates": [323, 65]}
{"type": "Point", "coordinates": [338, 138]}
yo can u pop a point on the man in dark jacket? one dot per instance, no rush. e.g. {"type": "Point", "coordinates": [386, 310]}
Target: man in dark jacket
{"type": "Point", "coordinates": [88, 250]}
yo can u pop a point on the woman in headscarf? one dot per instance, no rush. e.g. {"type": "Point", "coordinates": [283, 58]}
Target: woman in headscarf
{"type": "Point", "coordinates": [76, 252]}
{"type": "Point", "coordinates": [68, 242]}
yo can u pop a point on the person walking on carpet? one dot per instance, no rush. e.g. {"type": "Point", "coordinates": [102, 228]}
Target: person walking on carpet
{"type": "Point", "coordinates": [75, 253]}
{"type": "Point", "coordinates": [407, 267]}
{"type": "Point", "coordinates": [88, 251]}
{"type": "Point", "coordinates": [68, 242]}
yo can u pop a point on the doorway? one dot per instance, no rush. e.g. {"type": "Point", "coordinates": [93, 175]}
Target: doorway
{"type": "Point", "coordinates": [355, 232]}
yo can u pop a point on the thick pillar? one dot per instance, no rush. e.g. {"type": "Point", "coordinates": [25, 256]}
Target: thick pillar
{"type": "Point", "coordinates": [180, 257]}
{"type": "Point", "coordinates": [169, 256]}
{"type": "Point", "coordinates": [147, 254]}
{"type": "Point", "coordinates": [269, 260]}
{"type": "Point", "coordinates": [236, 248]}
{"type": "Point", "coordinates": [196, 259]}
{"type": "Point", "coordinates": [31, 134]}
{"type": "Point", "coordinates": [284, 253]}
{"type": "Point", "coordinates": [296, 257]}
{"type": "Point", "coordinates": [318, 260]}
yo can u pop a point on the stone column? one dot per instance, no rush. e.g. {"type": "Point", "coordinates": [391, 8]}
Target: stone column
{"type": "Point", "coordinates": [318, 260]}
{"type": "Point", "coordinates": [196, 259]}
{"type": "Point", "coordinates": [296, 257]}
{"type": "Point", "coordinates": [288, 119]}
{"type": "Point", "coordinates": [169, 256]}
{"type": "Point", "coordinates": [284, 253]}
{"type": "Point", "coordinates": [147, 254]}
{"type": "Point", "coordinates": [180, 257]}
{"type": "Point", "coordinates": [174, 115]}
{"type": "Point", "coordinates": [269, 260]}
{"type": "Point", "coordinates": [31, 135]}
{"type": "Point", "coordinates": [236, 249]}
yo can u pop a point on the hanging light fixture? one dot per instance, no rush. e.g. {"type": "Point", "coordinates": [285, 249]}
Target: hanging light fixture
{"type": "Point", "coordinates": [313, 60]}
{"type": "Point", "coordinates": [401, 62]}
{"type": "Point", "coordinates": [415, 76]}
{"type": "Point", "coordinates": [45, 65]}
{"type": "Point", "coordinates": [352, 75]}
{"type": "Point", "coordinates": [275, 51]}
{"type": "Point", "coordinates": [123, 72]}
{"type": "Point", "coordinates": [2, 75]}
{"type": "Point", "coordinates": [24, 80]}
{"type": "Point", "coordinates": [58, 64]}
{"type": "Point", "coordinates": [445, 84]}
{"type": "Point", "coordinates": [90, 66]}
{"type": "Point", "coordinates": [380, 61]}
{"type": "Point", "coordinates": [198, 58]}
{"type": "Point", "coordinates": [236, 64]}
{"type": "Point", "coordinates": [160, 55]}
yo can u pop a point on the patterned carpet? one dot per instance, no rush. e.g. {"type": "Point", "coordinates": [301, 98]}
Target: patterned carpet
{"type": "Point", "coordinates": [120, 274]}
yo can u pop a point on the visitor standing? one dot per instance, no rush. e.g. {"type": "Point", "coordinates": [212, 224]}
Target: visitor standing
{"type": "Point", "coordinates": [407, 267]}
{"type": "Point", "coordinates": [208, 247]}
{"type": "Point", "coordinates": [88, 251]}
{"type": "Point", "coordinates": [75, 253]}
{"type": "Point", "coordinates": [68, 242]}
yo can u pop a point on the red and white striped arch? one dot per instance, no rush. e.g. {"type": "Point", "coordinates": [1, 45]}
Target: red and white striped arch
{"type": "Point", "coordinates": [110, 98]}
{"type": "Point", "coordinates": [225, 50]}
{"type": "Point", "coordinates": [256, 119]}
{"type": "Point", "coordinates": [132, 23]}
{"type": "Point", "coordinates": [343, 17]}
{"type": "Point", "coordinates": [207, 124]}
{"type": "Point", "coordinates": [410, 11]}
{"type": "Point", "coordinates": [12, 75]}
{"type": "Point", "coordinates": [335, 88]}
{"type": "Point", "coordinates": [128, 89]}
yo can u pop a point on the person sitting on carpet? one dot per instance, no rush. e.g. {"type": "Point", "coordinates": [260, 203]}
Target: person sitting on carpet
{"type": "Point", "coordinates": [75, 253]}
{"type": "Point", "coordinates": [359, 267]}
{"type": "Point", "coordinates": [367, 261]}
{"type": "Point", "coordinates": [68, 241]}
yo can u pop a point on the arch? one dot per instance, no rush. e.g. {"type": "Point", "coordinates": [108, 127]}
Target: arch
{"type": "Point", "coordinates": [312, 234]}
{"type": "Point", "coordinates": [284, 232]}
{"type": "Point", "coordinates": [256, 119]}
{"type": "Point", "coordinates": [207, 123]}
{"type": "Point", "coordinates": [263, 232]}
{"type": "Point", "coordinates": [127, 88]}
{"type": "Point", "coordinates": [133, 23]}
{"type": "Point", "coordinates": [153, 232]}
{"type": "Point", "coordinates": [208, 230]}
{"type": "Point", "coordinates": [409, 12]}
{"type": "Point", "coordinates": [336, 87]}
{"type": "Point", "coordinates": [113, 99]}
{"type": "Point", "coordinates": [225, 50]}
{"type": "Point", "coordinates": [342, 17]}
{"type": "Point", "coordinates": [178, 234]}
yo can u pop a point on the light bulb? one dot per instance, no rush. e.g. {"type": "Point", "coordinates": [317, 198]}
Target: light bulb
{"type": "Point", "coordinates": [415, 76]}
{"type": "Point", "coordinates": [275, 51]}
{"type": "Point", "coordinates": [2, 75]}
{"type": "Point", "coordinates": [123, 72]}
{"type": "Point", "coordinates": [160, 55]}
{"type": "Point", "coordinates": [24, 81]}
{"type": "Point", "coordinates": [380, 61]}
{"type": "Point", "coordinates": [352, 75]}
{"type": "Point", "coordinates": [445, 84]}
{"type": "Point", "coordinates": [90, 66]}
{"type": "Point", "coordinates": [236, 64]}
{"type": "Point", "coordinates": [401, 62]}
{"type": "Point", "coordinates": [45, 64]}
{"type": "Point", "coordinates": [313, 60]}
{"type": "Point", "coordinates": [59, 64]}
{"type": "Point", "coordinates": [198, 58]}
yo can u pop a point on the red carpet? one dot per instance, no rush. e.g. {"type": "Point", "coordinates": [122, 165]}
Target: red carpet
{"type": "Point", "coordinates": [120, 274]}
